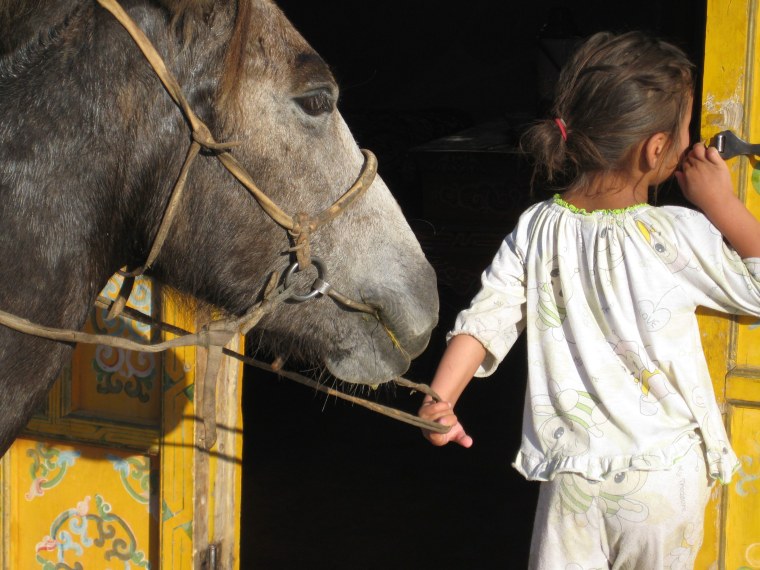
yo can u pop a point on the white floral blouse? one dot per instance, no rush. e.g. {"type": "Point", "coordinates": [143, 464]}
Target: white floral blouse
{"type": "Point", "coordinates": [616, 374]}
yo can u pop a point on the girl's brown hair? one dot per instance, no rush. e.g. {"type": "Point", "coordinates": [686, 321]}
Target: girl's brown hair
{"type": "Point", "coordinates": [615, 92]}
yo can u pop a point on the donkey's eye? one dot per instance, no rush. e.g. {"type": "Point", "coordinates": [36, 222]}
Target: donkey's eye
{"type": "Point", "coordinates": [317, 102]}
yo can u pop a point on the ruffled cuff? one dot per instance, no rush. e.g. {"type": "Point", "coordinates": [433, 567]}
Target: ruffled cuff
{"type": "Point", "coordinates": [722, 464]}
{"type": "Point", "coordinates": [490, 362]}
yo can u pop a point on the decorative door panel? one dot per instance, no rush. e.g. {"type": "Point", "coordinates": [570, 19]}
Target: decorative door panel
{"type": "Point", "coordinates": [743, 496]}
{"type": "Point", "coordinates": [127, 384]}
{"type": "Point", "coordinates": [82, 505]}
{"type": "Point", "coordinates": [109, 474]}
{"type": "Point", "coordinates": [731, 89]}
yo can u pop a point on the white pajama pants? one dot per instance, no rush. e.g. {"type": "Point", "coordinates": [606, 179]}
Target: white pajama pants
{"type": "Point", "coordinates": [633, 520]}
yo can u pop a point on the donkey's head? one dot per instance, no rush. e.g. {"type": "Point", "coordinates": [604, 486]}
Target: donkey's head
{"type": "Point", "coordinates": [91, 146]}
{"type": "Point", "coordinates": [277, 98]}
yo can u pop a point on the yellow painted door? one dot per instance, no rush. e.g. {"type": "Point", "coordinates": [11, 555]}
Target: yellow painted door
{"type": "Point", "coordinates": [109, 475]}
{"type": "Point", "coordinates": [731, 100]}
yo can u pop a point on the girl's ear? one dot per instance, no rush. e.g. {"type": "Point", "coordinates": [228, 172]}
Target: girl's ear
{"type": "Point", "coordinates": [655, 148]}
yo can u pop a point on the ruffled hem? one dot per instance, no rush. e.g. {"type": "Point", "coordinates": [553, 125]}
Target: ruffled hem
{"type": "Point", "coordinates": [721, 465]}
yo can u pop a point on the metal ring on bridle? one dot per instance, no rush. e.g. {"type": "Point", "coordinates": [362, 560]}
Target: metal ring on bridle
{"type": "Point", "coordinates": [319, 287]}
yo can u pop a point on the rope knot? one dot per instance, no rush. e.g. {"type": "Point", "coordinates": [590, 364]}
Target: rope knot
{"type": "Point", "coordinates": [202, 135]}
{"type": "Point", "coordinates": [300, 236]}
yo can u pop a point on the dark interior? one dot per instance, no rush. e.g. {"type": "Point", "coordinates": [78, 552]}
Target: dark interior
{"type": "Point", "coordinates": [440, 92]}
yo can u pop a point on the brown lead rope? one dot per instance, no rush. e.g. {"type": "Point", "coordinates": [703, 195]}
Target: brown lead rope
{"type": "Point", "coordinates": [212, 337]}
{"type": "Point", "coordinates": [393, 413]}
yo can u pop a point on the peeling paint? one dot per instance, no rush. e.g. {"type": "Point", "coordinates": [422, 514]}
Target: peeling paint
{"type": "Point", "coordinates": [728, 113]}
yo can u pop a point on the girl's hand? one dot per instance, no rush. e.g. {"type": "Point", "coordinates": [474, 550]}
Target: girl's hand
{"type": "Point", "coordinates": [443, 413]}
{"type": "Point", "coordinates": [706, 183]}
{"type": "Point", "coordinates": [705, 180]}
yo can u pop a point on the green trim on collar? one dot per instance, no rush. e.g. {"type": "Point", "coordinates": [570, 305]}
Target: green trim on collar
{"type": "Point", "coordinates": [582, 211]}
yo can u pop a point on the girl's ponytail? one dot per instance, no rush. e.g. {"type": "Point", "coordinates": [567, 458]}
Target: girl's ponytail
{"type": "Point", "coordinates": [546, 144]}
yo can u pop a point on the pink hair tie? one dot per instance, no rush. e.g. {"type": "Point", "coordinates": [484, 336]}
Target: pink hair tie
{"type": "Point", "coordinates": [562, 128]}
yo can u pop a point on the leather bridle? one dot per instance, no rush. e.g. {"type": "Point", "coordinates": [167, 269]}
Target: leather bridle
{"type": "Point", "coordinates": [300, 227]}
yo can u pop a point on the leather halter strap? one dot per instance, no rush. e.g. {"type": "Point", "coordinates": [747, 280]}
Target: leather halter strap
{"type": "Point", "coordinates": [300, 227]}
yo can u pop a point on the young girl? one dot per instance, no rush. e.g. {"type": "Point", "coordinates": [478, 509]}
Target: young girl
{"type": "Point", "coordinates": [620, 424]}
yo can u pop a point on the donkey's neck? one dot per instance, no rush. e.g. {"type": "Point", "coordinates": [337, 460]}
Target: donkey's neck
{"type": "Point", "coordinates": [54, 211]}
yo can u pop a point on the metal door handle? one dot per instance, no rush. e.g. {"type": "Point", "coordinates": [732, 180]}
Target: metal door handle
{"type": "Point", "coordinates": [729, 145]}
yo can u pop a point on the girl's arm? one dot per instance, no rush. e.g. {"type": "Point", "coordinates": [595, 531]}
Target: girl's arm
{"type": "Point", "coordinates": [706, 183]}
{"type": "Point", "coordinates": [459, 363]}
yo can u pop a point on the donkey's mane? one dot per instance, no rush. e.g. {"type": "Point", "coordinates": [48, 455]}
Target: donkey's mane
{"type": "Point", "coordinates": [234, 60]}
{"type": "Point", "coordinates": [176, 7]}
{"type": "Point", "coordinates": [17, 20]}
{"type": "Point", "coordinates": [183, 6]}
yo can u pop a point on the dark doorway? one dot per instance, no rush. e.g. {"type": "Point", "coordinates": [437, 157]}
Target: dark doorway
{"type": "Point", "coordinates": [440, 91]}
